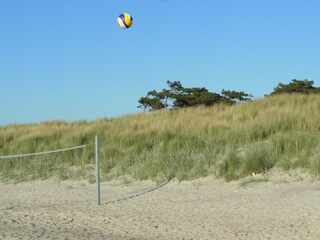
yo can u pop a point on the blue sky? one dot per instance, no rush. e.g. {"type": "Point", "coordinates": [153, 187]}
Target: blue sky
{"type": "Point", "coordinates": [68, 60]}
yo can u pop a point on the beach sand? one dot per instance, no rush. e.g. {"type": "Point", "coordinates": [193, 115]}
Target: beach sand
{"type": "Point", "coordinates": [200, 209]}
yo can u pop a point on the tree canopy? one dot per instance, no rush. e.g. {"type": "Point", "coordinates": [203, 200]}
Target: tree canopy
{"type": "Point", "coordinates": [296, 86]}
{"type": "Point", "coordinates": [178, 96]}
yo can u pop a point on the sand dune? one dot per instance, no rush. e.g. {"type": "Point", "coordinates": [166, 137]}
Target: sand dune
{"type": "Point", "coordinates": [200, 209]}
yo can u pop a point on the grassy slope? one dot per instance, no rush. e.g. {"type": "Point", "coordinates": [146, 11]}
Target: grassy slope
{"type": "Point", "coordinates": [227, 141]}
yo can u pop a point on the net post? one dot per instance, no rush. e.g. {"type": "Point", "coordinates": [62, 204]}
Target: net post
{"type": "Point", "coordinates": [97, 169]}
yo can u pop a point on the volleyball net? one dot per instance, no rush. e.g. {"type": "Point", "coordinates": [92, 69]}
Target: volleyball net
{"type": "Point", "coordinates": [74, 162]}
{"type": "Point", "coordinates": [71, 163]}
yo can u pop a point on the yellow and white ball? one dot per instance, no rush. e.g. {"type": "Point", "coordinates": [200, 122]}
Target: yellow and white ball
{"type": "Point", "coordinates": [124, 20]}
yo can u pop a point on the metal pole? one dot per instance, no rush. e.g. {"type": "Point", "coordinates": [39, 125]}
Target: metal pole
{"type": "Point", "coordinates": [97, 169]}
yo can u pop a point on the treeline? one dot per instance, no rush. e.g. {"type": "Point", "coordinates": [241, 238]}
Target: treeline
{"type": "Point", "coordinates": [178, 96]}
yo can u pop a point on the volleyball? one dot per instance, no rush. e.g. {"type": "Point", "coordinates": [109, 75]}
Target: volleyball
{"type": "Point", "coordinates": [124, 20]}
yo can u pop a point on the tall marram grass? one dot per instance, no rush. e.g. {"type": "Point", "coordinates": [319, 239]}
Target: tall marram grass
{"type": "Point", "coordinates": [226, 141]}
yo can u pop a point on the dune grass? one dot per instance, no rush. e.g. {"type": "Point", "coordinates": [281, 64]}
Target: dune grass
{"type": "Point", "coordinates": [229, 142]}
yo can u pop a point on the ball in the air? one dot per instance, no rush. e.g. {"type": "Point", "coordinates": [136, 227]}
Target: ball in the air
{"type": "Point", "coordinates": [124, 20]}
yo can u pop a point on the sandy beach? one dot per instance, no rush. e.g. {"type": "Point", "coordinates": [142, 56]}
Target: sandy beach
{"type": "Point", "coordinates": [200, 209]}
